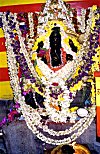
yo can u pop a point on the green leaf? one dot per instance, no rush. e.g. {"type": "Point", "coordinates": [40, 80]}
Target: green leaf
{"type": "Point", "coordinates": [35, 63]}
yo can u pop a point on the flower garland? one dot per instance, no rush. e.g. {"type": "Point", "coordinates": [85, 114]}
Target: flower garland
{"type": "Point", "coordinates": [23, 48]}
{"type": "Point", "coordinates": [88, 57]}
{"type": "Point", "coordinates": [51, 104]}
{"type": "Point", "coordinates": [31, 24]}
{"type": "Point", "coordinates": [83, 12]}
{"type": "Point", "coordinates": [33, 117]}
{"type": "Point", "coordinates": [56, 10]}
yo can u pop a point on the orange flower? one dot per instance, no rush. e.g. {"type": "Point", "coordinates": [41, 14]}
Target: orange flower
{"type": "Point", "coordinates": [56, 107]}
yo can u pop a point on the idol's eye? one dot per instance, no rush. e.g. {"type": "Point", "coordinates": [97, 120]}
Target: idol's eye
{"type": "Point", "coordinates": [73, 47]}
{"type": "Point", "coordinates": [69, 57]}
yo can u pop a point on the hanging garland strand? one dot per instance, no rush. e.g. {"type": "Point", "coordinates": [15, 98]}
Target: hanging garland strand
{"type": "Point", "coordinates": [33, 117]}
{"type": "Point", "coordinates": [74, 20]}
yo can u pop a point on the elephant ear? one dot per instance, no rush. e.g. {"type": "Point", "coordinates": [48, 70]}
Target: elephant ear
{"type": "Point", "coordinates": [73, 47]}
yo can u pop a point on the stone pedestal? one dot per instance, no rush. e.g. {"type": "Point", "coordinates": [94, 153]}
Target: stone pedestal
{"type": "Point", "coordinates": [20, 140]}
{"type": "Point", "coordinates": [97, 147]}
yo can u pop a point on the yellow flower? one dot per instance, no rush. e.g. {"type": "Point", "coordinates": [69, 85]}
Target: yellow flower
{"type": "Point", "coordinates": [98, 16]}
{"type": "Point", "coordinates": [94, 7]}
{"type": "Point", "coordinates": [93, 23]}
{"type": "Point", "coordinates": [95, 58]}
{"type": "Point", "coordinates": [66, 41]}
{"type": "Point", "coordinates": [93, 92]}
{"type": "Point", "coordinates": [36, 89]}
{"type": "Point", "coordinates": [34, 56]}
{"type": "Point", "coordinates": [35, 47]}
{"type": "Point", "coordinates": [25, 87]}
{"type": "Point", "coordinates": [41, 38]}
{"type": "Point", "coordinates": [76, 43]}
{"type": "Point", "coordinates": [14, 31]}
{"type": "Point", "coordinates": [38, 71]}
{"type": "Point", "coordinates": [33, 85]}
{"type": "Point", "coordinates": [76, 72]}
{"type": "Point", "coordinates": [76, 86]}
{"type": "Point", "coordinates": [50, 24]}
{"type": "Point", "coordinates": [90, 80]}
{"type": "Point", "coordinates": [73, 109]}
{"type": "Point", "coordinates": [48, 33]}
{"type": "Point", "coordinates": [93, 100]}
{"type": "Point", "coordinates": [98, 49]}
{"type": "Point", "coordinates": [60, 98]}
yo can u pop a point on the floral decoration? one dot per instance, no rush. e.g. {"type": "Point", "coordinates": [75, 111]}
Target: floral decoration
{"type": "Point", "coordinates": [51, 81]}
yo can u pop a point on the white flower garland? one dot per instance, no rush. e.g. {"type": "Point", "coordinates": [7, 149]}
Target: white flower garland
{"type": "Point", "coordinates": [75, 127]}
{"type": "Point", "coordinates": [23, 49]}
{"type": "Point", "coordinates": [58, 116]}
{"type": "Point", "coordinates": [31, 24]}
{"type": "Point", "coordinates": [51, 111]}
{"type": "Point", "coordinates": [83, 12]}
{"type": "Point", "coordinates": [32, 117]}
{"type": "Point", "coordinates": [64, 15]}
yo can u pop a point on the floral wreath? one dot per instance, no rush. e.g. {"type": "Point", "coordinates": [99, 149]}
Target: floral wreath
{"type": "Point", "coordinates": [37, 119]}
